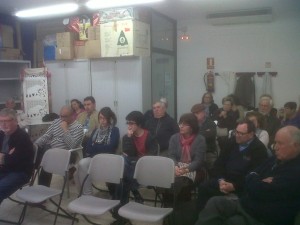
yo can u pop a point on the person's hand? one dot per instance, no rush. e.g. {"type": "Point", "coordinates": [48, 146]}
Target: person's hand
{"type": "Point", "coordinates": [1, 158]}
{"type": "Point", "coordinates": [226, 187]}
{"type": "Point", "coordinates": [64, 125]}
{"type": "Point", "coordinates": [268, 180]}
{"type": "Point", "coordinates": [177, 171]}
{"type": "Point", "coordinates": [223, 114]}
{"type": "Point", "coordinates": [129, 133]}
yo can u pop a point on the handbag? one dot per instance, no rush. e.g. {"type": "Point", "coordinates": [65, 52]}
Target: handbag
{"type": "Point", "coordinates": [190, 175]}
{"type": "Point", "coordinates": [222, 132]}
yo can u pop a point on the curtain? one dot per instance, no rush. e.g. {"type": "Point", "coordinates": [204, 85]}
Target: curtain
{"type": "Point", "coordinates": [245, 89]}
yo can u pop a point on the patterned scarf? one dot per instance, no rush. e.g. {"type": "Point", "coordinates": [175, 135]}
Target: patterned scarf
{"type": "Point", "coordinates": [186, 147]}
{"type": "Point", "coordinates": [102, 135]}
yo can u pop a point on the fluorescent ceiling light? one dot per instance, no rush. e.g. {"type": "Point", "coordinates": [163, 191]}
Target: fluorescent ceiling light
{"type": "Point", "coordinates": [48, 10]}
{"type": "Point", "coordinates": [100, 4]}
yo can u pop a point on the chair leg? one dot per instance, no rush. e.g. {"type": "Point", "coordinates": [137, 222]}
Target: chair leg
{"type": "Point", "coordinates": [22, 216]}
{"type": "Point", "coordinates": [74, 217]}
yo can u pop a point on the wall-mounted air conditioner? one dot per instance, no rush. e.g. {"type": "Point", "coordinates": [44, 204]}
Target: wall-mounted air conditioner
{"type": "Point", "coordinates": [240, 16]}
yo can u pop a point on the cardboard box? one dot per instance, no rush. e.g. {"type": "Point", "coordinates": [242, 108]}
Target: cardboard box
{"type": "Point", "coordinates": [94, 33]}
{"type": "Point", "coordinates": [116, 14]}
{"type": "Point", "coordinates": [93, 49]}
{"type": "Point", "coordinates": [65, 39]}
{"type": "Point", "coordinates": [6, 36]}
{"type": "Point", "coordinates": [79, 49]}
{"type": "Point", "coordinates": [10, 53]}
{"type": "Point", "coordinates": [125, 38]}
{"type": "Point", "coordinates": [64, 53]}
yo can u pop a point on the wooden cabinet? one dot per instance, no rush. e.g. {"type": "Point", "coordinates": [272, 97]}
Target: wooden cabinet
{"type": "Point", "coordinates": [10, 83]}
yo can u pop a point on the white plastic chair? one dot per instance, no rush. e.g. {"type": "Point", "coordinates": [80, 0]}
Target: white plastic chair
{"type": "Point", "coordinates": [103, 168]}
{"type": "Point", "coordinates": [154, 171]}
{"type": "Point", "coordinates": [55, 161]}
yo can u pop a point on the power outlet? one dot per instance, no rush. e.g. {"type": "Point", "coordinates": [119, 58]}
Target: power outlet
{"type": "Point", "coordinates": [268, 65]}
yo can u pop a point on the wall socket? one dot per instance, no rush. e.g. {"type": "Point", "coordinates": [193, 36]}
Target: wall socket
{"type": "Point", "coordinates": [268, 65]}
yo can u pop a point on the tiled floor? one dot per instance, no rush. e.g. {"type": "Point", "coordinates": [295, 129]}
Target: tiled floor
{"type": "Point", "coordinates": [10, 211]}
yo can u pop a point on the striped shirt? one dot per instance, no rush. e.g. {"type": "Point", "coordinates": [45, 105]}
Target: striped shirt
{"type": "Point", "coordinates": [57, 138]}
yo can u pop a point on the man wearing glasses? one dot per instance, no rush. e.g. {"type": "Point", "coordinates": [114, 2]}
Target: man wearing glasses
{"type": "Point", "coordinates": [243, 153]}
{"type": "Point", "coordinates": [64, 133]}
{"type": "Point", "coordinates": [16, 154]}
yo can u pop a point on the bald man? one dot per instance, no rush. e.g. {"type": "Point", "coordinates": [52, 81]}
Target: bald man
{"type": "Point", "coordinates": [65, 133]}
{"type": "Point", "coordinates": [272, 194]}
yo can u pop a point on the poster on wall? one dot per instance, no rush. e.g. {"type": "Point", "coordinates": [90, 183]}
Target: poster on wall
{"type": "Point", "coordinates": [35, 94]}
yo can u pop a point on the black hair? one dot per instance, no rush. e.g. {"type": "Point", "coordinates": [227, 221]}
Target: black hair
{"type": "Point", "coordinates": [291, 105]}
{"type": "Point", "coordinates": [78, 102]}
{"type": "Point", "coordinates": [191, 120]}
{"type": "Point", "coordinates": [250, 125]}
{"type": "Point", "coordinates": [90, 98]}
{"type": "Point", "coordinates": [137, 117]}
{"type": "Point", "coordinates": [109, 115]}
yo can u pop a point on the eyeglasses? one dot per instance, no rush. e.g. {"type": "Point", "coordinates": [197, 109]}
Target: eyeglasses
{"type": "Point", "coordinates": [183, 125]}
{"type": "Point", "coordinates": [238, 133]}
{"type": "Point", "coordinates": [5, 121]}
{"type": "Point", "coordinates": [130, 123]}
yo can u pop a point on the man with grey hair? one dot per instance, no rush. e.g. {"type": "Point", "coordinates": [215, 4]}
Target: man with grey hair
{"type": "Point", "coordinates": [65, 133]}
{"type": "Point", "coordinates": [16, 154]}
{"type": "Point", "coordinates": [272, 123]}
{"type": "Point", "coordinates": [23, 120]}
{"type": "Point", "coordinates": [272, 195]}
{"type": "Point", "coordinates": [161, 126]}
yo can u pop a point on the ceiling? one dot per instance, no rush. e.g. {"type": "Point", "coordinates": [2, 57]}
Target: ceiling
{"type": "Point", "coordinates": [176, 9]}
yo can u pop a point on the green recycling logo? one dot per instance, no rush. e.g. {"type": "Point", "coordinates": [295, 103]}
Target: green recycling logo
{"type": "Point", "coordinates": [122, 40]}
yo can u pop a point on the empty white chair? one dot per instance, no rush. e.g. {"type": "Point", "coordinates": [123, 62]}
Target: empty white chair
{"type": "Point", "coordinates": [156, 171]}
{"type": "Point", "coordinates": [55, 161]}
{"type": "Point", "coordinates": [103, 168]}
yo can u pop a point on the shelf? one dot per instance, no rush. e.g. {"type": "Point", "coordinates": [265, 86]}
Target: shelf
{"type": "Point", "coordinates": [9, 79]}
{"type": "Point", "coordinates": [15, 61]}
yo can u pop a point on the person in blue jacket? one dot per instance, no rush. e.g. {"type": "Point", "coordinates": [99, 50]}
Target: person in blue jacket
{"type": "Point", "coordinates": [104, 139]}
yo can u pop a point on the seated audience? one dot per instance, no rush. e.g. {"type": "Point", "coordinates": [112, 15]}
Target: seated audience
{"type": "Point", "coordinates": [16, 154]}
{"type": "Point", "coordinates": [104, 139]}
{"type": "Point", "coordinates": [258, 120]}
{"type": "Point", "coordinates": [65, 133]}
{"type": "Point", "coordinates": [161, 126]}
{"type": "Point", "coordinates": [226, 121]}
{"type": "Point", "coordinates": [210, 106]}
{"type": "Point", "coordinates": [149, 113]}
{"type": "Point", "coordinates": [207, 128]}
{"type": "Point", "coordinates": [236, 106]}
{"type": "Point", "coordinates": [272, 123]}
{"type": "Point", "coordinates": [271, 196]}
{"type": "Point", "coordinates": [23, 120]}
{"type": "Point", "coordinates": [88, 119]}
{"type": "Point", "coordinates": [242, 154]}
{"type": "Point", "coordinates": [77, 108]}
{"type": "Point", "coordinates": [135, 144]}
{"type": "Point", "coordinates": [187, 149]}
{"type": "Point", "coordinates": [291, 117]}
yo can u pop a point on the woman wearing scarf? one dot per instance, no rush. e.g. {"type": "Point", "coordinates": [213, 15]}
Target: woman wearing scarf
{"type": "Point", "coordinates": [187, 148]}
{"type": "Point", "coordinates": [104, 139]}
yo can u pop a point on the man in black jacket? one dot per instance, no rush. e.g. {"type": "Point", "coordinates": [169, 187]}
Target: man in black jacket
{"type": "Point", "coordinates": [16, 154]}
{"type": "Point", "coordinates": [135, 144]}
{"type": "Point", "coordinates": [162, 126]}
{"type": "Point", "coordinates": [242, 154]}
{"type": "Point", "coordinates": [272, 195]}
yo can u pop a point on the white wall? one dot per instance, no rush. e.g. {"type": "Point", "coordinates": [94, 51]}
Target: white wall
{"type": "Point", "coordinates": [239, 48]}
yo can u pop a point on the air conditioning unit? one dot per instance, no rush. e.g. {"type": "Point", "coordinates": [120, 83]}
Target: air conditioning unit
{"type": "Point", "coordinates": [240, 16]}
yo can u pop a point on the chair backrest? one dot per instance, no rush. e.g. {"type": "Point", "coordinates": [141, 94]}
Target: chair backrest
{"type": "Point", "coordinates": [155, 171]}
{"type": "Point", "coordinates": [106, 168]}
{"type": "Point", "coordinates": [56, 161]}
